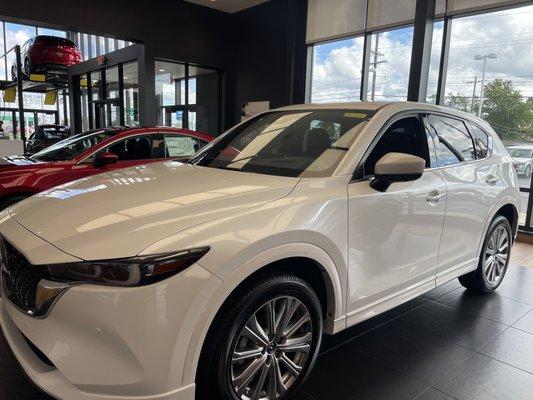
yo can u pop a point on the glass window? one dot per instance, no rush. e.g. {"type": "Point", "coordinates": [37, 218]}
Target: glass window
{"type": "Point", "coordinates": [454, 143]}
{"type": "Point", "coordinates": [141, 147]}
{"type": "Point", "coordinates": [169, 83]}
{"type": "Point", "coordinates": [51, 32]}
{"type": "Point", "coordinates": [434, 63]}
{"type": "Point", "coordinates": [336, 75]}
{"type": "Point", "coordinates": [3, 56]}
{"type": "Point", "coordinates": [75, 145]}
{"type": "Point", "coordinates": [482, 142]}
{"type": "Point", "coordinates": [131, 93]}
{"type": "Point", "coordinates": [286, 143]}
{"type": "Point", "coordinates": [403, 136]}
{"type": "Point", "coordinates": [389, 64]}
{"type": "Point", "coordinates": [204, 94]}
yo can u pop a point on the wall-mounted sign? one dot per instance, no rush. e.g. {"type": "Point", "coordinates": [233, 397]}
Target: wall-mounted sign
{"type": "Point", "coordinates": [101, 60]}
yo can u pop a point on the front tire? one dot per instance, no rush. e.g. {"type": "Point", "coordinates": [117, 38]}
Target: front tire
{"type": "Point", "coordinates": [493, 260]}
{"type": "Point", "coordinates": [263, 342]}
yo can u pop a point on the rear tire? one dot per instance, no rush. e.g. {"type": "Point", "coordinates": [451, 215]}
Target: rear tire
{"type": "Point", "coordinates": [246, 355]}
{"type": "Point", "coordinates": [10, 200]}
{"type": "Point", "coordinates": [493, 260]}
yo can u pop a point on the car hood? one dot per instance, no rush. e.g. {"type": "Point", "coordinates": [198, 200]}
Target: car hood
{"type": "Point", "coordinates": [118, 214]}
{"type": "Point", "coordinates": [521, 160]}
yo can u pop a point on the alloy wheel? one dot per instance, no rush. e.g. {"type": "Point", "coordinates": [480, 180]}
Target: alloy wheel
{"type": "Point", "coordinates": [271, 349]}
{"type": "Point", "coordinates": [495, 256]}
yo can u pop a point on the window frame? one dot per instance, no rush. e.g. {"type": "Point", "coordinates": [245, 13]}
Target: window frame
{"type": "Point", "coordinates": [358, 174]}
{"type": "Point", "coordinates": [490, 139]}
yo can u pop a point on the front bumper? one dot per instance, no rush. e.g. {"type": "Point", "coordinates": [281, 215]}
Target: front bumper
{"type": "Point", "coordinates": [112, 343]}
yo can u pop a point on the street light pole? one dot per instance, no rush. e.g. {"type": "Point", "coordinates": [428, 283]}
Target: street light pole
{"type": "Point", "coordinates": [481, 95]}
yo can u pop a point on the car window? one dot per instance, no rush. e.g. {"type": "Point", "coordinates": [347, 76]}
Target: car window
{"type": "Point", "coordinates": [482, 143]}
{"type": "Point", "coordinates": [403, 136]}
{"type": "Point", "coordinates": [139, 147]}
{"type": "Point", "coordinates": [453, 142]}
{"type": "Point", "coordinates": [520, 152]}
{"type": "Point", "coordinates": [299, 143]}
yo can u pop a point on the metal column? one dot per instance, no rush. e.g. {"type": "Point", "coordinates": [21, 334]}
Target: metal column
{"type": "Point", "coordinates": [421, 53]}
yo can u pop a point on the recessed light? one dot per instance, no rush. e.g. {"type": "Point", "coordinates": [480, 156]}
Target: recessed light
{"type": "Point", "coordinates": [161, 70]}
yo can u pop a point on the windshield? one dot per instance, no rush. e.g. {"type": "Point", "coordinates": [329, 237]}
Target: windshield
{"type": "Point", "coordinates": [73, 146]}
{"type": "Point", "coordinates": [287, 143]}
{"type": "Point", "coordinates": [520, 153]}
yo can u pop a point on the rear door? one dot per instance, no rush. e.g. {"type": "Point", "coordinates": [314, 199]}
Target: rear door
{"type": "Point", "coordinates": [472, 182]}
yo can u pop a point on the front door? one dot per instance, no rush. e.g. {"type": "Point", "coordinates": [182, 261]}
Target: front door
{"type": "Point", "coordinates": [394, 235]}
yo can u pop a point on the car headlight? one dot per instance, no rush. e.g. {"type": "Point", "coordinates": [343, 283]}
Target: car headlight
{"type": "Point", "coordinates": [130, 272]}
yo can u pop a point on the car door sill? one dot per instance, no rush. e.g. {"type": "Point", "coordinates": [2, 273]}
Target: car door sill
{"type": "Point", "coordinates": [389, 302]}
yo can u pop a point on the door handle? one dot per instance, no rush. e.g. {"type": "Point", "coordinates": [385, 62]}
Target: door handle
{"type": "Point", "coordinates": [434, 197]}
{"type": "Point", "coordinates": [492, 180]}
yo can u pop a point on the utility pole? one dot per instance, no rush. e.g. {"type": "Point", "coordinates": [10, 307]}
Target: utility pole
{"type": "Point", "coordinates": [473, 93]}
{"type": "Point", "coordinates": [484, 58]}
{"type": "Point", "coordinates": [374, 64]}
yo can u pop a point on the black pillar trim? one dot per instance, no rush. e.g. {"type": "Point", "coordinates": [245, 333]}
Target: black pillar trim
{"type": "Point", "coordinates": [443, 64]}
{"type": "Point", "coordinates": [421, 50]}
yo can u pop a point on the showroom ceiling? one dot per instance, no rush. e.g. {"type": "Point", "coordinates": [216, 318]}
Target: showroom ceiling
{"type": "Point", "coordinates": [229, 6]}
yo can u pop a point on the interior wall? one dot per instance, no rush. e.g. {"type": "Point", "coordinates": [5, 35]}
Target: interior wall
{"type": "Point", "coordinates": [270, 60]}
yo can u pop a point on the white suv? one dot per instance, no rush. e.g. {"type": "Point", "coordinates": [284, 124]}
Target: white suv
{"type": "Point", "coordinates": [216, 279]}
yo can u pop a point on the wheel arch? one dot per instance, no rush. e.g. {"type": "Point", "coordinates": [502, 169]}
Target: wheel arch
{"type": "Point", "coordinates": [302, 259]}
{"type": "Point", "coordinates": [507, 207]}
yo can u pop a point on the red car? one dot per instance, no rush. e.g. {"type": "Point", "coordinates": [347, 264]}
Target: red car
{"type": "Point", "coordinates": [47, 55]}
{"type": "Point", "coordinates": [91, 153]}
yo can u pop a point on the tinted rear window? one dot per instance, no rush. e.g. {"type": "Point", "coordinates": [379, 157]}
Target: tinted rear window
{"type": "Point", "coordinates": [54, 41]}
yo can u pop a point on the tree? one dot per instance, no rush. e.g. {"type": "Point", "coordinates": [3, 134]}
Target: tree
{"type": "Point", "coordinates": [458, 102]}
{"type": "Point", "coordinates": [505, 110]}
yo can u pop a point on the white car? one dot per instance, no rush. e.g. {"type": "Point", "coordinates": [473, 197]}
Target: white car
{"type": "Point", "coordinates": [216, 279]}
{"type": "Point", "coordinates": [523, 158]}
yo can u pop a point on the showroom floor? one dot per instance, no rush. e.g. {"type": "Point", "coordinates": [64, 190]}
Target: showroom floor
{"type": "Point", "coordinates": [446, 344]}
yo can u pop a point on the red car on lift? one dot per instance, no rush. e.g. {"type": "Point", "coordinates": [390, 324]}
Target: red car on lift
{"type": "Point", "coordinates": [91, 153]}
{"type": "Point", "coordinates": [47, 55]}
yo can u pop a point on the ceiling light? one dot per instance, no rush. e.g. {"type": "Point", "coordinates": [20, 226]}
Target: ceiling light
{"type": "Point", "coordinates": [161, 70]}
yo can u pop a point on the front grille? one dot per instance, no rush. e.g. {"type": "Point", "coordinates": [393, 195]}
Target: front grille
{"type": "Point", "coordinates": [21, 277]}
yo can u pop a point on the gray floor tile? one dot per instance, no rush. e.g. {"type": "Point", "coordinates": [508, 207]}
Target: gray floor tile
{"type": "Point", "coordinates": [516, 290]}
{"type": "Point", "coordinates": [525, 323]}
{"type": "Point", "coordinates": [514, 347]}
{"type": "Point", "coordinates": [468, 330]}
{"type": "Point", "coordinates": [520, 274]}
{"type": "Point", "coordinates": [483, 378]}
{"type": "Point", "coordinates": [434, 394]}
{"type": "Point", "coordinates": [492, 306]}
{"type": "Point", "coordinates": [413, 351]}
{"type": "Point", "coordinates": [349, 375]}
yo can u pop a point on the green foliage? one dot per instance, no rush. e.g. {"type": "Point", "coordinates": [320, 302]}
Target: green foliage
{"type": "Point", "coordinates": [504, 108]}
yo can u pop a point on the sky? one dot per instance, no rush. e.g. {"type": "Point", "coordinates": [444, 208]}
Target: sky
{"type": "Point", "coordinates": [508, 34]}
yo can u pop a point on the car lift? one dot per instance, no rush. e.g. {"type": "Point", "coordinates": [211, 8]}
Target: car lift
{"type": "Point", "coordinates": [49, 84]}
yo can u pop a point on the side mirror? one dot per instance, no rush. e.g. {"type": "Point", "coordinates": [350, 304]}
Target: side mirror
{"type": "Point", "coordinates": [104, 159]}
{"type": "Point", "coordinates": [397, 167]}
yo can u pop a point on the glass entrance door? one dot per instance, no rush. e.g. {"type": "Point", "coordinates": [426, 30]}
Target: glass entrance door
{"type": "Point", "coordinates": [106, 113]}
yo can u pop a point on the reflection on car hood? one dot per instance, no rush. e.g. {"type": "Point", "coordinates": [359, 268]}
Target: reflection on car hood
{"type": "Point", "coordinates": [118, 214]}
{"type": "Point", "coordinates": [18, 161]}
